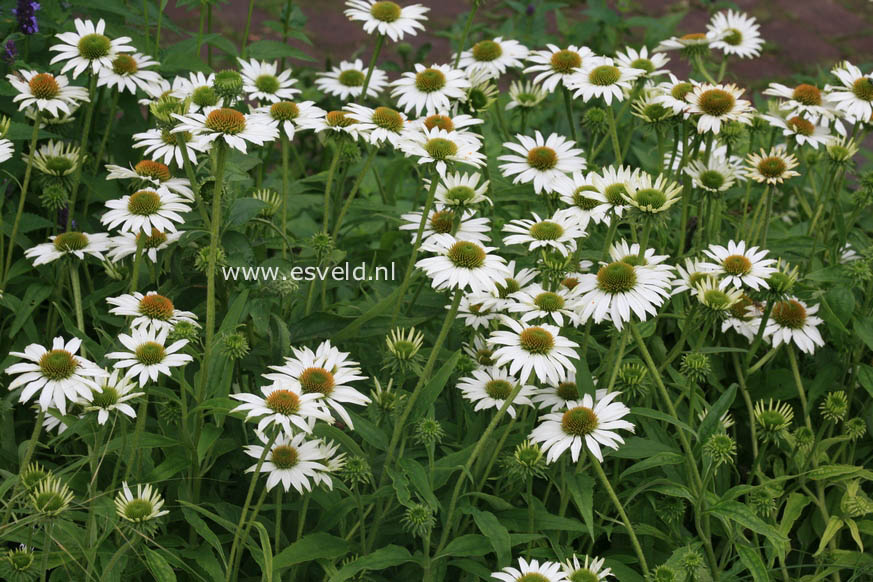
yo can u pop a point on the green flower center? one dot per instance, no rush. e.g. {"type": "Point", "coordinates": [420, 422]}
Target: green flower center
{"type": "Point", "coordinates": [564, 61]}
{"type": "Point", "coordinates": [582, 201]}
{"type": "Point", "coordinates": [439, 121]}
{"type": "Point", "coordinates": [614, 193]}
{"type": "Point", "coordinates": [532, 577]}
{"type": "Point", "coordinates": [430, 80]}
{"type": "Point", "coordinates": [138, 509]}
{"type": "Point", "coordinates": [267, 84]}
{"type": "Point", "coordinates": [487, 50]}
{"type": "Point", "coordinates": [644, 64]}
{"type": "Point", "coordinates": [736, 265]}
{"type": "Point", "coordinates": [124, 65]}
{"type": "Point", "coordinates": [716, 102]}
{"type": "Point", "coordinates": [284, 456]}
{"type": "Point", "coordinates": [579, 421]}
{"type": "Point", "coordinates": [460, 194]}
{"type": "Point", "coordinates": [655, 112]}
{"type": "Point", "coordinates": [584, 576]}
{"type": "Point", "coordinates": [733, 37]}
{"type": "Point", "coordinates": [716, 299]}
{"type": "Point", "coordinates": [58, 165]}
{"type": "Point", "coordinates": [228, 83]}
{"type": "Point", "coordinates": [144, 203]}
{"type": "Point", "coordinates": [317, 380]}
{"type": "Point", "coordinates": [94, 46]}
{"type": "Point", "coordinates": [542, 158]}
{"type": "Point", "coordinates": [283, 402]}
{"type": "Point", "coordinates": [807, 94]}
{"type": "Point", "coordinates": [498, 389]}
{"type": "Point", "coordinates": [440, 148]}
{"type": "Point", "coordinates": [385, 11]}
{"type": "Point", "coordinates": [172, 139]}
{"type": "Point", "coordinates": [224, 120]}
{"type": "Point", "coordinates": [156, 239]}
{"type": "Point", "coordinates": [284, 110]}
{"type": "Point", "coordinates": [509, 287]}
{"type": "Point", "coordinates": [772, 420]}
{"type": "Point", "coordinates": [483, 356]}
{"type": "Point", "coordinates": [863, 89]}
{"type": "Point", "coordinates": [57, 365]}
{"type": "Point", "coordinates": [801, 126]}
{"type": "Point", "coordinates": [105, 398]}
{"type": "Point", "coordinates": [49, 503]}
{"type": "Point", "coordinates": [711, 179]}
{"type": "Point", "coordinates": [789, 314]}
{"type": "Point", "coordinates": [680, 90]}
{"type": "Point", "coordinates": [156, 307]}
{"type": "Point", "coordinates": [204, 96]}
{"type": "Point", "coordinates": [772, 167]}
{"type": "Point", "coordinates": [21, 560]}
{"type": "Point", "coordinates": [338, 119]}
{"type": "Point", "coordinates": [546, 230]}
{"type": "Point", "coordinates": [352, 78]}
{"type": "Point", "coordinates": [71, 241]}
{"type": "Point", "coordinates": [466, 255]}
{"type": "Point", "coordinates": [548, 301]}
{"type": "Point", "coordinates": [479, 99]}
{"type": "Point", "coordinates": [44, 86]}
{"type": "Point", "coordinates": [634, 260]}
{"type": "Point", "coordinates": [617, 277]}
{"type": "Point", "coordinates": [604, 75]}
{"type": "Point", "coordinates": [150, 353]}
{"type": "Point", "coordinates": [567, 391]}
{"type": "Point", "coordinates": [151, 169]}
{"type": "Point", "coordinates": [536, 340]}
{"type": "Point", "coordinates": [650, 198]}
{"type": "Point", "coordinates": [387, 118]}
{"type": "Point", "coordinates": [442, 221]}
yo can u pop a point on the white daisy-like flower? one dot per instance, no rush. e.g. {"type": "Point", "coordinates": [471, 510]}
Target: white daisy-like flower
{"type": "Point", "coordinates": [691, 44]}
{"type": "Point", "coordinates": [347, 80]}
{"type": "Point", "coordinates": [739, 266]}
{"type": "Point", "coordinates": [772, 167]}
{"type": "Point", "coordinates": [793, 321]}
{"type": "Point", "coordinates": [262, 81]}
{"type": "Point", "coordinates": [164, 145]}
{"type": "Point", "coordinates": [230, 125]}
{"type": "Point", "coordinates": [531, 571]}
{"type": "Point", "coordinates": [525, 95]}
{"type": "Point", "coordinates": [46, 92]}
{"type": "Point", "coordinates": [445, 119]}
{"type": "Point", "coordinates": [559, 395]}
{"type": "Point", "coordinates": [689, 275]}
{"type": "Point", "coordinates": [652, 196]}
{"type": "Point", "coordinates": [53, 420]}
{"type": "Point", "coordinates": [76, 244]}
{"type": "Point", "coordinates": [387, 18]}
{"type": "Point", "coordinates": [112, 395]}
{"type": "Point", "coordinates": [490, 388]}
{"type": "Point", "coordinates": [477, 310]}
{"type": "Point", "coordinates": [284, 406]}
{"type": "Point", "coordinates": [337, 122]}
{"type": "Point", "coordinates": [591, 570]}
{"type": "Point", "coordinates": [672, 94]}
{"type": "Point", "coordinates": [544, 162]}
{"type": "Point", "coordinates": [630, 254]}
{"type": "Point", "coordinates": [461, 264]}
{"type": "Point", "coordinates": [57, 374]}
{"type": "Point", "coordinates": [480, 351]}
{"type": "Point", "coordinates": [601, 77]}
{"type": "Point", "coordinates": [554, 65]}
{"type": "Point", "coordinates": [125, 244]}
{"type": "Point", "coordinates": [652, 65]}
{"type": "Point", "coordinates": [716, 175]}
{"type": "Point", "coordinates": [199, 88]}
{"type": "Point", "coordinates": [717, 152]}
{"type": "Point", "coordinates": [558, 232]}
{"type": "Point", "coordinates": [146, 505]}
{"type": "Point", "coordinates": [292, 461]}
{"type": "Point", "coordinates": [439, 146]}
{"type": "Point", "coordinates": [155, 173]}
{"type": "Point", "coordinates": [326, 371]}
{"type": "Point", "coordinates": [57, 158]}
{"type": "Point", "coordinates": [735, 33]}
{"type": "Point", "coordinates": [88, 47]}
{"type": "Point", "coordinates": [718, 301]}
{"type": "Point", "coordinates": [807, 101]}
{"type": "Point", "coordinates": [613, 183]}
{"type": "Point", "coordinates": [717, 104]}
{"type": "Point", "coordinates": [743, 317]}
{"type": "Point", "coordinates": [538, 349]}
{"type": "Point", "coordinates": [536, 303]}
{"type": "Point", "coordinates": [129, 72]}
{"type": "Point", "coordinates": [333, 462]}
{"type": "Point", "coordinates": [801, 130]}
{"type": "Point", "coordinates": [148, 355]}
{"type": "Point", "coordinates": [442, 221]}
{"type": "Point", "coordinates": [461, 190]}
{"type": "Point", "coordinates": [293, 115]}
{"type": "Point", "coordinates": [152, 310]}
{"type": "Point", "coordinates": [619, 288]}
{"type": "Point", "coordinates": [146, 210]}
{"type": "Point", "coordinates": [6, 149]}
{"type": "Point", "coordinates": [378, 125]}
{"type": "Point", "coordinates": [848, 254]}
{"type": "Point", "coordinates": [493, 57]}
{"type": "Point", "coordinates": [586, 423]}
{"type": "Point", "coordinates": [430, 89]}
{"type": "Point", "coordinates": [517, 280]}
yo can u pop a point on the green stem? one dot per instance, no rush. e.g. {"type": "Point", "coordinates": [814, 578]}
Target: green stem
{"type": "Point", "coordinates": [158, 32]}
{"type": "Point", "coordinates": [376, 49]}
{"type": "Point", "coordinates": [28, 454]}
{"type": "Point", "coordinates": [247, 529]}
{"type": "Point", "coordinates": [245, 40]}
{"type": "Point", "coordinates": [467, 26]}
{"type": "Point", "coordinates": [47, 537]}
{"type": "Point", "coordinates": [568, 109]}
{"type": "Point", "coordinates": [113, 107]}
{"type": "Point", "coordinates": [277, 531]}
{"type": "Point", "coordinates": [221, 156]}
{"type": "Point", "coordinates": [137, 259]}
{"type": "Point", "coordinates": [83, 147]}
{"type": "Point", "coordinates": [141, 414]}
{"type": "Point", "coordinates": [328, 185]}
{"type": "Point", "coordinates": [355, 186]}
{"type": "Point", "coordinates": [77, 301]}
{"type": "Point", "coordinates": [798, 382]}
{"type": "Point", "coordinates": [616, 362]}
{"type": "Point", "coordinates": [613, 135]}
{"type": "Point", "coordinates": [284, 193]}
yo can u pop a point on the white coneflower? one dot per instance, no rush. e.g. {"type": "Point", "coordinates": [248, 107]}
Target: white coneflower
{"type": "Point", "coordinates": [292, 115]}
{"type": "Point", "coordinates": [740, 266]}
{"type": "Point", "coordinates": [689, 275]}
{"type": "Point", "coordinates": [716, 175]}
{"type": "Point", "coordinates": [477, 310]}
{"type": "Point", "coordinates": [538, 349]}
{"type": "Point", "coordinates": [439, 146]}
{"type": "Point", "coordinates": [153, 173]}
{"type": "Point", "coordinates": [531, 571]}
{"type": "Point", "coordinates": [387, 18]}
{"type": "Point", "coordinates": [292, 461]}
{"type": "Point", "coordinates": [149, 356]}
{"type": "Point", "coordinates": [652, 65]}
{"type": "Point", "coordinates": [807, 101]}
{"type": "Point", "coordinates": [735, 33]}
{"type": "Point", "coordinates": [613, 183]}
{"type": "Point", "coordinates": [347, 80]}
{"type": "Point", "coordinates": [378, 125]}
{"type": "Point", "coordinates": [793, 321]}
{"type": "Point", "coordinates": [326, 371]}
{"type": "Point", "coordinates": [559, 232]}
{"type": "Point", "coordinates": [536, 303]}
{"type": "Point", "coordinates": [462, 264]}
{"type": "Point", "coordinates": [125, 244]}
{"type": "Point", "coordinates": [88, 47]}
{"type": "Point", "coordinates": [601, 77]}
{"type": "Point", "coordinates": [717, 299]}
{"type": "Point", "coordinates": [517, 280]}
{"type": "Point", "coordinates": [152, 310]}
{"type": "Point", "coordinates": [165, 145]}
{"type": "Point", "coordinates": [772, 167]}
{"type": "Point", "coordinates": [46, 92]}
{"type": "Point", "coordinates": [652, 196]}
{"type": "Point", "coordinates": [77, 244]}
{"type": "Point", "coordinates": [57, 158]}
{"type": "Point", "coordinates": [147, 505]}
{"type": "Point", "coordinates": [585, 202]}
{"type": "Point", "coordinates": [284, 406]}
{"type": "Point", "coordinates": [480, 351]}
{"type": "Point", "coordinates": [544, 162]}
{"type": "Point", "coordinates": [559, 395]}
{"type": "Point", "coordinates": [691, 45]}
{"type": "Point", "coordinates": [112, 395]}
{"type": "Point", "coordinates": [430, 89]}
{"type": "Point", "coordinates": [129, 72]}
{"type": "Point", "coordinates": [57, 374]}
{"type": "Point", "coordinates": [461, 190]}
{"type": "Point", "coordinates": [493, 57]}
{"type": "Point", "coordinates": [442, 221]}
{"type": "Point", "coordinates": [717, 104]}
{"type": "Point", "coordinates": [230, 125]}
{"type": "Point", "coordinates": [630, 254]}
{"type": "Point", "coordinates": [801, 130]}
{"type": "Point", "coordinates": [672, 94]}
{"type": "Point", "coordinates": [7, 149]}
{"type": "Point", "coordinates": [743, 315]}
{"type": "Point", "coordinates": [445, 119]}
{"type": "Point", "coordinates": [526, 95]}
{"type": "Point", "coordinates": [146, 210]}
{"type": "Point", "coordinates": [591, 570]}
{"type": "Point", "coordinates": [554, 65]}
{"type": "Point", "coordinates": [491, 387]}
{"type": "Point", "coordinates": [262, 81]}
{"type": "Point", "coordinates": [198, 87]}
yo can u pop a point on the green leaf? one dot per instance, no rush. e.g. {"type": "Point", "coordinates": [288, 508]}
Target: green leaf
{"type": "Point", "coordinates": [793, 508]}
{"type": "Point", "coordinates": [865, 377]}
{"type": "Point", "coordinates": [658, 415]}
{"type": "Point", "coordinates": [736, 512]}
{"type": "Point", "coordinates": [418, 478]}
{"type": "Point", "coordinates": [582, 492]}
{"type": "Point", "coordinates": [315, 546]}
{"type": "Point", "coordinates": [380, 559]}
{"type": "Point", "coordinates": [244, 209]}
{"type": "Point", "coordinates": [207, 438]}
{"type": "Point", "coordinates": [466, 545]}
{"type": "Point", "coordinates": [712, 420]}
{"type": "Point", "coordinates": [32, 299]}
{"type": "Point", "coordinates": [158, 566]}
{"type": "Point", "coordinates": [496, 533]}
{"type": "Point", "coordinates": [863, 328]}
{"type": "Point", "coordinates": [204, 531]}
{"type": "Point", "coordinates": [831, 529]}
{"type": "Point", "coordinates": [264, 538]}
{"type": "Point", "coordinates": [433, 388]}
{"type": "Point", "coordinates": [751, 559]}
{"type": "Point", "coordinates": [273, 49]}
{"type": "Point", "coordinates": [840, 472]}
{"type": "Point", "coordinates": [655, 461]}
